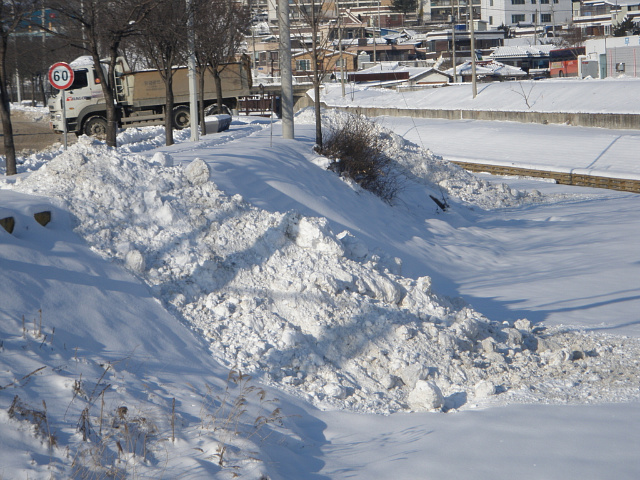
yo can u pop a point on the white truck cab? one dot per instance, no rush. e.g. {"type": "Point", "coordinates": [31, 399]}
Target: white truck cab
{"type": "Point", "coordinates": [140, 97]}
{"type": "Point", "coordinates": [83, 97]}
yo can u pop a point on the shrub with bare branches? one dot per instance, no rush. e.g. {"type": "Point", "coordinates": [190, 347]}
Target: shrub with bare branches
{"type": "Point", "coordinates": [357, 153]}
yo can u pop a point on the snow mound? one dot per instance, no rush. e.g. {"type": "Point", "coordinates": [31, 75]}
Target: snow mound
{"type": "Point", "coordinates": [315, 312]}
{"type": "Point", "coordinates": [421, 166]}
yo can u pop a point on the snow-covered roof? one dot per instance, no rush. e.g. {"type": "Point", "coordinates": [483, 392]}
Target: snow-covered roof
{"type": "Point", "coordinates": [488, 68]}
{"type": "Point", "coordinates": [617, 3]}
{"type": "Point", "coordinates": [83, 61]}
{"type": "Point", "coordinates": [387, 67]}
{"type": "Point", "coordinates": [522, 51]}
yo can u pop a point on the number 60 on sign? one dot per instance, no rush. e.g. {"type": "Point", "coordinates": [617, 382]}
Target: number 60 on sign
{"type": "Point", "coordinates": [61, 75]}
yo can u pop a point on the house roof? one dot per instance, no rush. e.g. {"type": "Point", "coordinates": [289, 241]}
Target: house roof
{"type": "Point", "coordinates": [383, 48]}
{"type": "Point", "coordinates": [616, 3]}
{"type": "Point", "coordinates": [491, 68]}
{"type": "Point", "coordinates": [327, 52]}
{"type": "Point", "coordinates": [523, 51]}
{"type": "Point", "coordinates": [395, 67]}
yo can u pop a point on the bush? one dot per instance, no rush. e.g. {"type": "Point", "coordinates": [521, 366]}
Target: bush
{"type": "Point", "coordinates": [356, 152]}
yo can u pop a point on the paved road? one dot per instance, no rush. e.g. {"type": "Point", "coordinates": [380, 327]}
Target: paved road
{"type": "Point", "coordinates": [31, 136]}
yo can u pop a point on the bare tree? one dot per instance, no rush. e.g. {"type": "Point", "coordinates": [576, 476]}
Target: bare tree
{"type": "Point", "coordinates": [102, 26]}
{"type": "Point", "coordinates": [572, 36]}
{"type": "Point", "coordinates": [29, 62]}
{"type": "Point", "coordinates": [220, 27]}
{"type": "Point", "coordinates": [315, 13]}
{"type": "Point", "coordinates": [12, 14]}
{"type": "Point", "coordinates": [164, 41]}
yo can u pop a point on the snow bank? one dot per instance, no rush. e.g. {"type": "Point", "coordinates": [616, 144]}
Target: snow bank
{"type": "Point", "coordinates": [442, 178]}
{"type": "Point", "coordinates": [619, 95]}
{"type": "Point", "coordinates": [314, 312]}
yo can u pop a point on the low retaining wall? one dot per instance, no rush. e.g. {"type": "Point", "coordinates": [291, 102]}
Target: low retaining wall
{"type": "Point", "coordinates": [565, 178]}
{"type": "Point", "coordinates": [601, 120]}
{"type": "Point", "coordinates": [626, 121]}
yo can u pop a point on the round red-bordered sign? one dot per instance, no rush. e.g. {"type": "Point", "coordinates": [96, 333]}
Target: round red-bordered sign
{"type": "Point", "coordinates": [61, 75]}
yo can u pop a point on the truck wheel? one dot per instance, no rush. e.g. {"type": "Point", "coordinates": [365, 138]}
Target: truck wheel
{"type": "Point", "coordinates": [96, 127]}
{"type": "Point", "coordinates": [214, 110]}
{"type": "Point", "coordinates": [181, 117]}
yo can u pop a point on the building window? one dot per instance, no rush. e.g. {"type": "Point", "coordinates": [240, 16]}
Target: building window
{"type": "Point", "coordinates": [545, 18]}
{"type": "Point", "coordinates": [491, 3]}
{"type": "Point", "coordinates": [533, 2]}
{"type": "Point", "coordinates": [517, 18]}
{"type": "Point", "coordinates": [545, 2]}
{"type": "Point", "coordinates": [517, 2]}
{"type": "Point", "coordinates": [490, 20]}
{"type": "Point", "coordinates": [533, 18]}
{"type": "Point", "coordinates": [303, 65]}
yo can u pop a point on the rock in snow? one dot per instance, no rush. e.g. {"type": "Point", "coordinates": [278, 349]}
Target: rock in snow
{"type": "Point", "coordinates": [197, 172]}
{"type": "Point", "coordinates": [425, 396]}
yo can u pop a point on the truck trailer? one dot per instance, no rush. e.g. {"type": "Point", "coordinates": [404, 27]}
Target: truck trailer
{"type": "Point", "coordinates": [140, 96]}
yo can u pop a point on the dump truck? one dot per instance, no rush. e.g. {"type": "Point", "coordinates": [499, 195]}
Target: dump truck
{"type": "Point", "coordinates": [140, 96]}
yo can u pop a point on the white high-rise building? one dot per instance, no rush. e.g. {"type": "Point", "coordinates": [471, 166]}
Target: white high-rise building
{"type": "Point", "coordinates": [513, 13]}
{"type": "Point", "coordinates": [495, 13]}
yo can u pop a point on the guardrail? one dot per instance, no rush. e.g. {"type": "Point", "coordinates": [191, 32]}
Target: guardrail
{"type": "Point", "coordinates": [564, 178]}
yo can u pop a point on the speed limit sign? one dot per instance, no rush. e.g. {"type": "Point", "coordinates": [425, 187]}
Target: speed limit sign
{"type": "Point", "coordinates": [61, 75]}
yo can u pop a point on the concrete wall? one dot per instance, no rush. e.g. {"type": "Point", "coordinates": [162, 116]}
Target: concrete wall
{"type": "Point", "coordinates": [601, 120]}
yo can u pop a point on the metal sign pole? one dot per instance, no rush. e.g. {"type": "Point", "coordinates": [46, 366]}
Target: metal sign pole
{"type": "Point", "coordinates": [61, 76]}
{"type": "Point", "coordinates": [64, 118]}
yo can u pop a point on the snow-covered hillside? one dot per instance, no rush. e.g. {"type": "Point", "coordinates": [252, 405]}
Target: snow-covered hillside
{"type": "Point", "coordinates": [329, 316]}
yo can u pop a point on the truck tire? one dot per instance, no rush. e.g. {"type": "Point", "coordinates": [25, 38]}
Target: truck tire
{"type": "Point", "coordinates": [214, 110]}
{"type": "Point", "coordinates": [96, 127]}
{"type": "Point", "coordinates": [181, 117]}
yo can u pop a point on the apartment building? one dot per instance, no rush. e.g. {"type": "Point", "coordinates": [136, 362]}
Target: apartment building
{"type": "Point", "coordinates": [444, 11]}
{"type": "Point", "coordinates": [514, 13]}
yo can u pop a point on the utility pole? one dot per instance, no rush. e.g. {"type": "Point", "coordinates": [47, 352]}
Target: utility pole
{"type": "Point", "coordinates": [191, 64]}
{"type": "Point", "coordinates": [473, 51]}
{"type": "Point", "coordinates": [453, 41]}
{"type": "Point", "coordinates": [374, 37]}
{"type": "Point", "coordinates": [253, 40]}
{"type": "Point", "coordinates": [286, 77]}
{"type": "Point", "coordinates": [341, 49]}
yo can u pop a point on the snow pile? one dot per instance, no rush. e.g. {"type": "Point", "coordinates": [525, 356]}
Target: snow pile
{"type": "Point", "coordinates": [130, 140]}
{"type": "Point", "coordinates": [317, 313]}
{"type": "Point", "coordinates": [420, 166]}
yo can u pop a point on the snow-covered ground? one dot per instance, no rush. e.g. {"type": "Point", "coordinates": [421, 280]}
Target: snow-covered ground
{"type": "Point", "coordinates": [567, 95]}
{"type": "Point", "coordinates": [563, 148]}
{"type": "Point", "coordinates": [243, 252]}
